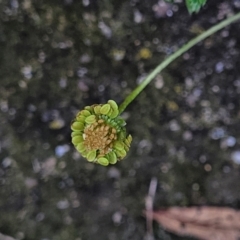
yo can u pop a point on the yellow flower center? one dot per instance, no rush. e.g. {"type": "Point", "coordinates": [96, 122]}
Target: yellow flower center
{"type": "Point", "coordinates": [99, 136]}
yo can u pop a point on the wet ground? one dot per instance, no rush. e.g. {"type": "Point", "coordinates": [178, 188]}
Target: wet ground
{"type": "Point", "coordinates": [59, 56]}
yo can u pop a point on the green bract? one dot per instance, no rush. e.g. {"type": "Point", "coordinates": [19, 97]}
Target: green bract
{"type": "Point", "coordinates": [99, 134]}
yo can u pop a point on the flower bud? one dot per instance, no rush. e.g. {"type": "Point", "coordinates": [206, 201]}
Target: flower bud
{"type": "Point", "coordinates": [99, 134]}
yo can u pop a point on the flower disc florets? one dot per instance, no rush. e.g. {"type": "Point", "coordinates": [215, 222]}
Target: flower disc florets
{"type": "Point", "coordinates": [99, 134]}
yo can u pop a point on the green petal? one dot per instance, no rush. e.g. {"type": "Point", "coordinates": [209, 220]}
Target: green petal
{"type": "Point", "coordinates": [121, 122]}
{"type": "Point", "coordinates": [121, 153]}
{"type": "Point", "coordinates": [114, 108]}
{"type": "Point", "coordinates": [97, 109]}
{"type": "Point", "coordinates": [90, 119]}
{"type": "Point", "coordinates": [112, 157]}
{"type": "Point", "coordinates": [89, 108]}
{"type": "Point", "coordinates": [118, 129]}
{"type": "Point", "coordinates": [128, 140]}
{"type": "Point", "coordinates": [91, 156]}
{"type": "Point", "coordinates": [113, 104]}
{"type": "Point", "coordinates": [76, 133]}
{"type": "Point", "coordinates": [118, 145]}
{"type": "Point", "coordinates": [80, 147]}
{"type": "Point", "coordinates": [84, 153]}
{"type": "Point", "coordinates": [80, 118]}
{"type": "Point", "coordinates": [122, 135]}
{"type": "Point", "coordinates": [109, 112]}
{"type": "Point", "coordinates": [85, 113]}
{"type": "Point", "coordinates": [114, 124]}
{"type": "Point", "coordinates": [105, 109]}
{"type": "Point", "coordinates": [77, 139]}
{"type": "Point", "coordinates": [76, 126]}
{"type": "Point", "coordinates": [114, 114]}
{"type": "Point", "coordinates": [103, 161]}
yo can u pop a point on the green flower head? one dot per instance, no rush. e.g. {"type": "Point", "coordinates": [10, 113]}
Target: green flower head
{"type": "Point", "coordinates": [99, 134]}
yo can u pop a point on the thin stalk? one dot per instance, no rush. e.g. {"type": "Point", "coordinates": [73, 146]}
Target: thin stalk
{"type": "Point", "coordinates": [172, 57]}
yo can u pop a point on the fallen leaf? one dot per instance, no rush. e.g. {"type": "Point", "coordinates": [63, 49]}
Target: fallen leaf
{"type": "Point", "coordinates": [207, 223]}
{"type": "Point", "coordinates": [5, 237]}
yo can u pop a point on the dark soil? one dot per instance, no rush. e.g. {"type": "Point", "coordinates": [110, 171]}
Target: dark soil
{"type": "Point", "coordinates": [59, 56]}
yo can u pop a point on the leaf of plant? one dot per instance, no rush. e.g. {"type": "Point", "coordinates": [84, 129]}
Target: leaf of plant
{"type": "Point", "coordinates": [194, 5]}
{"type": "Point", "coordinates": [206, 223]}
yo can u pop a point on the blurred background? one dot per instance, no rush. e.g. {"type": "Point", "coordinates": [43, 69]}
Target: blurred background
{"type": "Point", "coordinates": [58, 56]}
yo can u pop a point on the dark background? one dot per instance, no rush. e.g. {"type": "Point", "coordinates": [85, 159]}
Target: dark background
{"type": "Point", "coordinates": [57, 57]}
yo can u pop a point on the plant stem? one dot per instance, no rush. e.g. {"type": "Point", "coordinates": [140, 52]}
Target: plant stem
{"type": "Point", "coordinates": [172, 57]}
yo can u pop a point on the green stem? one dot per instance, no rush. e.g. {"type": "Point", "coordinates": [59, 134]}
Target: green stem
{"type": "Point", "coordinates": [172, 57]}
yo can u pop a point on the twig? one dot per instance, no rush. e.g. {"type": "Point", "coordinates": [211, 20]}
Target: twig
{"type": "Point", "coordinates": [149, 208]}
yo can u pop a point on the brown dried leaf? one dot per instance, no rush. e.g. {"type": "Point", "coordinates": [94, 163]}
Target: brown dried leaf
{"type": "Point", "coordinates": [5, 237]}
{"type": "Point", "coordinates": [207, 223]}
